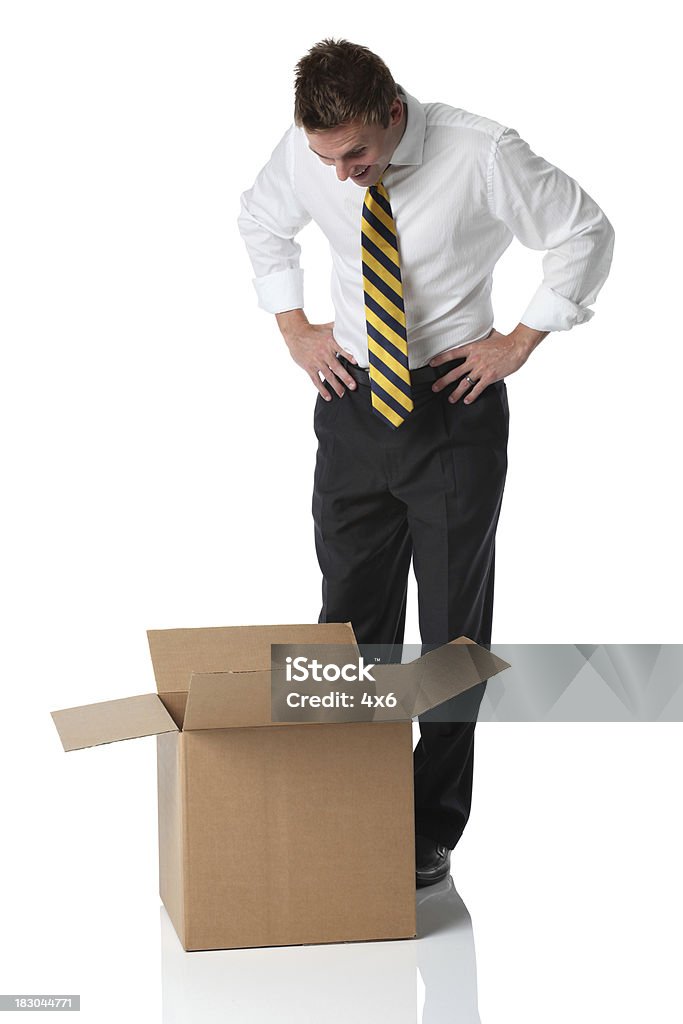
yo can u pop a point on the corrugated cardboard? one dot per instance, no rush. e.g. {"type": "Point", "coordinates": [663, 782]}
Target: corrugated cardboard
{"type": "Point", "coordinates": [273, 834]}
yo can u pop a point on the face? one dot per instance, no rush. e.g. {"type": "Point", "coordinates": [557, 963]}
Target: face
{"type": "Point", "coordinates": [359, 152]}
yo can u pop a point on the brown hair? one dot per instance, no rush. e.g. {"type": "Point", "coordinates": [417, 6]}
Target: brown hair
{"type": "Point", "coordinates": [337, 82]}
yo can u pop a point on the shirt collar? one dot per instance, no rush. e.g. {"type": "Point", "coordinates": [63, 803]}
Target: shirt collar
{"type": "Point", "coordinates": [409, 149]}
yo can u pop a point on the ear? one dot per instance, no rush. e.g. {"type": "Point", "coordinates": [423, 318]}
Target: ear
{"type": "Point", "coordinates": [396, 111]}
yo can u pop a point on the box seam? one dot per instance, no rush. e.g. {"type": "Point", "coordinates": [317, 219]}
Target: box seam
{"type": "Point", "coordinates": [185, 866]}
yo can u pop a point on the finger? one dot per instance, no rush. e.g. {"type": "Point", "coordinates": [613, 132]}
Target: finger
{"type": "Point", "coordinates": [349, 355]}
{"type": "Point", "coordinates": [320, 386]}
{"type": "Point", "coordinates": [451, 376]}
{"type": "Point", "coordinates": [337, 350]}
{"type": "Point", "coordinates": [343, 374]}
{"type": "Point", "coordinates": [332, 380]}
{"type": "Point", "coordinates": [451, 353]}
{"type": "Point", "coordinates": [480, 386]}
{"type": "Point", "coordinates": [463, 387]}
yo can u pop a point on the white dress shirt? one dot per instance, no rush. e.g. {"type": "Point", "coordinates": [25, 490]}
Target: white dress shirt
{"type": "Point", "coordinates": [460, 186]}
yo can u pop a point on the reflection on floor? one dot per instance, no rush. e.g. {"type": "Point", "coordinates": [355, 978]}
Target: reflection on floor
{"type": "Point", "coordinates": [373, 982]}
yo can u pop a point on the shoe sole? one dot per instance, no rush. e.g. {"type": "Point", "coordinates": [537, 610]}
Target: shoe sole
{"type": "Point", "coordinates": [421, 883]}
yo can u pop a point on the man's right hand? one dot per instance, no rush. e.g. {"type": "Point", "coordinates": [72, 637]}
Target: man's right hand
{"type": "Point", "coordinates": [313, 347]}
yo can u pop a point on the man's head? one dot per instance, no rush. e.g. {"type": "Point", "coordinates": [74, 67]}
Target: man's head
{"type": "Point", "coordinates": [348, 105]}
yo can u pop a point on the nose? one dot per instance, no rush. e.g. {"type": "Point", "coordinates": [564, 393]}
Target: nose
{"type": "Point", "coordinates": [342, 173]}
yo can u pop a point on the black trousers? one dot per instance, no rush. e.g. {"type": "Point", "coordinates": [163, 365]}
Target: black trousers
{"type": "Point", "coordinates": [430, 491]}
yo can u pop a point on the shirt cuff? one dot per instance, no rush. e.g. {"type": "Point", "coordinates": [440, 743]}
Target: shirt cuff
{"type": "Point", "coordinates": [550, 311]}
{"type": "Point", "coordinates": [280, 291]}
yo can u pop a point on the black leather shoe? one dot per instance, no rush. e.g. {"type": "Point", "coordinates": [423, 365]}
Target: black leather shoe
{"type": "Point", "coordinates": [432, 861]}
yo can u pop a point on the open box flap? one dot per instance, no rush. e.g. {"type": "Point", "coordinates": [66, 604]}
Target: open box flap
{"type": "Point", "coordinates": [228, 700]}
{"type": "Point", "coordinates": [178, 653]}
{"type": "Point", "coordinates": [439, 675]}
{"type": "Point", "coordinates": [111, 720]}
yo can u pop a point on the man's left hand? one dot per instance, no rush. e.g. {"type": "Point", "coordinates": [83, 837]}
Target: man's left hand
{"type": "Point", "coordinates": [486, 361]}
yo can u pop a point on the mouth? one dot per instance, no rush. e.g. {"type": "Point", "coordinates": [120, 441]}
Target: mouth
{"type": "Point", "coordinates": [361, 174]}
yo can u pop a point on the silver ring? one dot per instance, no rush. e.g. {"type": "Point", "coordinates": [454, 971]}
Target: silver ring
{"type": "Point", "coordinates": [470, 380]}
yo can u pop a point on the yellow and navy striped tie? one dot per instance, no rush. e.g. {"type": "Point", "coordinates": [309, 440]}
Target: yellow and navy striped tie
{"type": "Point", "coordinates": [385, 315]}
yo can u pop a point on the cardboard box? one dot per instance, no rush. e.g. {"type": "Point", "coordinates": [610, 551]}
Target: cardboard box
{"type": "Point", "coordinates": [274, 834]}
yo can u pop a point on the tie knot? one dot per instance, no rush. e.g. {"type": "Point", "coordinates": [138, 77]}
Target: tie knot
{"type": "Point", "coordinates": [378, 189]}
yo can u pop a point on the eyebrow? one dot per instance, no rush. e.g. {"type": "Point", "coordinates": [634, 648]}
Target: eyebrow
{"type": "Point", "coordinates": [349, 152]}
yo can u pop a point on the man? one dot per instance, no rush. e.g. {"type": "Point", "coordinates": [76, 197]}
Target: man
{"type": "Point", "coordinates": [418, 202]}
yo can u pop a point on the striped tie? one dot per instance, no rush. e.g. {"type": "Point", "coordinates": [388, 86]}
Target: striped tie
{"type": "Point", "coordinates": [384, 310]}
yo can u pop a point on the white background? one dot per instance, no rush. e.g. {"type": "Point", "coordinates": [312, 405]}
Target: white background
{"type": "Point", "coordinates": [158, 457]}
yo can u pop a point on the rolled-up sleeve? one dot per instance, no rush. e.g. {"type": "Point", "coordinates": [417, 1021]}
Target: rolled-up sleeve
{"type": "Point", "coordinates": [547, 209]}
{"type": "Point", "coordinates": [270, 217]}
